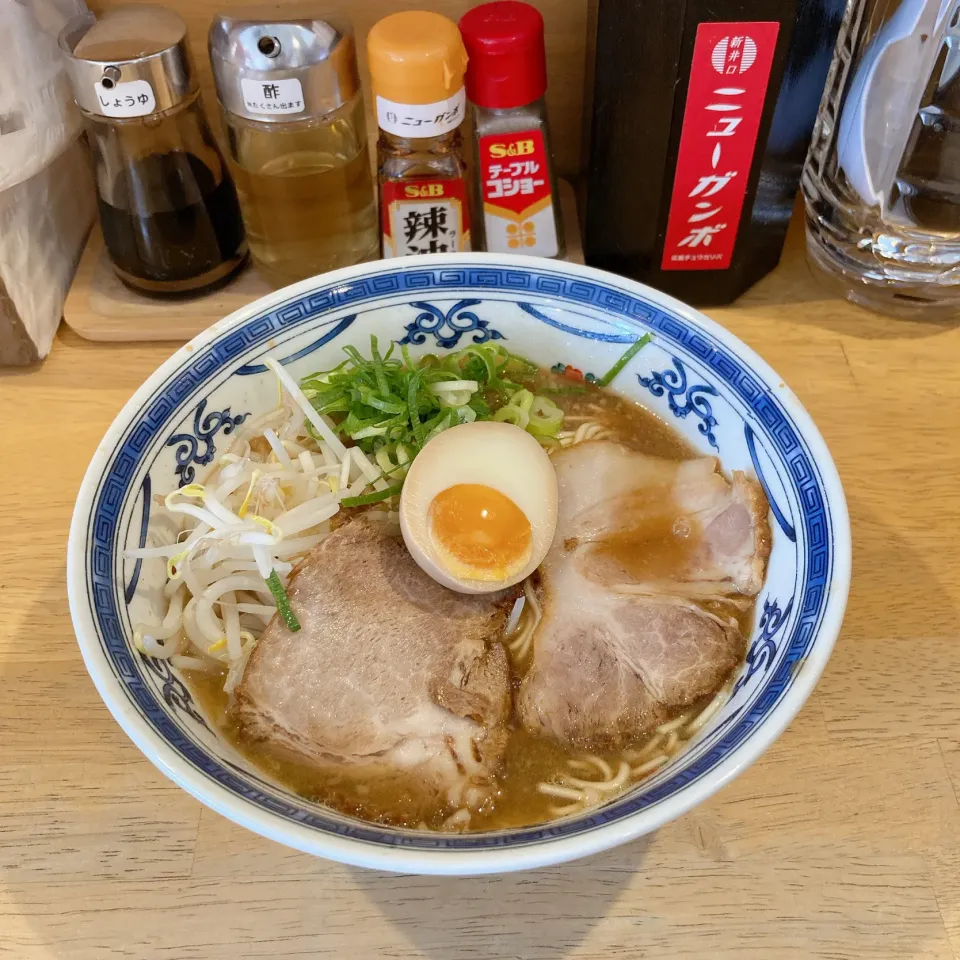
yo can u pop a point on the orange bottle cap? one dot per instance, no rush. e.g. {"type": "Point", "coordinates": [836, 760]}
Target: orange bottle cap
{"type": "Point", "coordinates": [416, 57]}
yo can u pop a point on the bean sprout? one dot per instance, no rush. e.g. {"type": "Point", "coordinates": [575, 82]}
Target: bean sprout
{"type": "Point", "coordinates": [265, 503]}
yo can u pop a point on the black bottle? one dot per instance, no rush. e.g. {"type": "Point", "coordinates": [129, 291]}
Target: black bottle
{"type": "Point", "coordinates": [676, 194]}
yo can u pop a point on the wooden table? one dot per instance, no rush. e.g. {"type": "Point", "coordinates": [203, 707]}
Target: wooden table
{"type": "Point", "coordinates": [843, 841]}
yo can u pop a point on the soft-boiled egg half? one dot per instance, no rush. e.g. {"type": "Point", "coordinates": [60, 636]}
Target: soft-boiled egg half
{"type": "Point", "coordinates": [479, 506]}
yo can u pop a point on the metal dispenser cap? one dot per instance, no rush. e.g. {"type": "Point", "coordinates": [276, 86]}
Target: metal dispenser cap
{"type": "Point", "coordinates": [276, 63]}
{"type": "Point", "coordinates": [132, 61]}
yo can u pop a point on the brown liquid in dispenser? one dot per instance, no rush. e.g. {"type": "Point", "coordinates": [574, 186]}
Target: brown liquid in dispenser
{"type": "Point", "coordinates": [172, 223]}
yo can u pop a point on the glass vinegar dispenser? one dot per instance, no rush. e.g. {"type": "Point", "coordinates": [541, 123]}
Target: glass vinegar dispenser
{"type": "Point", "coordinates": [168, 208]}
{"type": "Point", "coordinates": [288, 84]}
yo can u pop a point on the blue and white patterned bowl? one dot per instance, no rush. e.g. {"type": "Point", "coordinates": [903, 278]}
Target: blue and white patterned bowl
{"type": "Point", "coordinates": [695, 375]}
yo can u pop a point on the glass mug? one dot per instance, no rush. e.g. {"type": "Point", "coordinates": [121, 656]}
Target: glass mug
{"type": "Point", "coordinates": [881, 183]}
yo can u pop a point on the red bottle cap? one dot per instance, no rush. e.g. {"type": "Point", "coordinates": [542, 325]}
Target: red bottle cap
{"type": "Point", "coordinates": [507, 66]}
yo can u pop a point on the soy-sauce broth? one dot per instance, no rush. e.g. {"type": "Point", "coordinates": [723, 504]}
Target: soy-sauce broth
{"type": "Point", "coordinates": [631, 424]}
{"type": "Point", "coordinates": [529, 760]}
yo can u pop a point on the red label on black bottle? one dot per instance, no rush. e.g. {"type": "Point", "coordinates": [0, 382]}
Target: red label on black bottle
{"type": "Point", "coordinates": [729, 74]}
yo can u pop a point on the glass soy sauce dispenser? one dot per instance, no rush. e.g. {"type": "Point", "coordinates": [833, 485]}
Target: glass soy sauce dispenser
{"type": "Point", "coordinates": [168, 208]}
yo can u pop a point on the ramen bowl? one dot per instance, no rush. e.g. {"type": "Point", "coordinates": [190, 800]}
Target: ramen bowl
{"type": "Point", "coordinates": [713, 389]}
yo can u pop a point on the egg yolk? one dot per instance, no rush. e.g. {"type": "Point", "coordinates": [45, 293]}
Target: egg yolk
{"type": "Point", "coordinates": [480, 527]}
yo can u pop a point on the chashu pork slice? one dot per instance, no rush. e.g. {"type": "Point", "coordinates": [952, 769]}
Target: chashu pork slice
{"type": "Point", "coordinates": [642, 544]}
{"type": "Point", "coordinates": [391, 674]}
{"type": "Point", "coordinates": [677, 523]}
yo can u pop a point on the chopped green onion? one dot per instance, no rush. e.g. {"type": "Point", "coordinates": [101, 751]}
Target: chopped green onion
{"type": "Point", "coordinates": [413, 409]}
{"type": "Point", "coordinates": [336, 405]}
{"type": "Point", "coordinates": [390, 467]}
{"type": "Point", "coordinates": [631, 352]}
{"type": "Point", "coordinates": [546, 418]}
{"type": "Point", "coordinates": [511, 414]}
{"type": "Point", "coordinates": [368, 498]}
{"type": "Point", "coordinates": [283, 602]}
{"type": "Point", "coordinates": [446, 421]}
{"type": "Point", "coordinates": [378, 365]}
{"type": "Point", "coordinates": [379, 403]}
{"type": "Point", "coordinates": [521, 362]}
{"type": "Point", "coordinates": [522, 399]}
{"type": "Point", "coordinates": [373, 431]}
{"type": "Point", "coordinates": [389, 402]}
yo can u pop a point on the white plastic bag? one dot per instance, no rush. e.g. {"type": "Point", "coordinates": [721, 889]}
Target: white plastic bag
{"type": "Point", "coordinates": [44, 214]}
{"type": "Point", "coordinates": [38, 118]}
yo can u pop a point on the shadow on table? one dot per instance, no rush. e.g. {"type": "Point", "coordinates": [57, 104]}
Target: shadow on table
{"type": "Point", "coordinates": [847, 319]}
{"type": "Point", "coordinates": [132, 363]}
{"type": "Point", "coordinates": [804, 296]}
{"type": "Point", "coordinates": [545, 913]}
{"type": "Point", "coordinates": [551, 913]}
{"type": "Point", "coordinates": [882, 556]}
{"type": "Point", "coordinates": [794, 291]}
{"type": "Point", "coordinates": [597, 907]}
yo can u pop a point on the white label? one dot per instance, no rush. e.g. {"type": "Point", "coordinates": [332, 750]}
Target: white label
{"type": "Point", "coordinates": [422, 119]}
{"type": "Point", "coordinates": [535, 234]}
{"type": "Point", "coordinates": [133, 99]}
{"type": "Point", "coordinates": [272, 96]}
{"type": "Point", "coordinates": [431, 227]}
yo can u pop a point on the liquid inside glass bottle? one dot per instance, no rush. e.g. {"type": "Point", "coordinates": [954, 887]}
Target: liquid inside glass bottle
{"type": "Point", "coordinates": [168, 213]}
{"type": "Point", "coordinates": [288, 84]}
{"type": "Point", "coordinates": [307, 194]}
{"type": "Point", "coordinates": [423, 196]}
